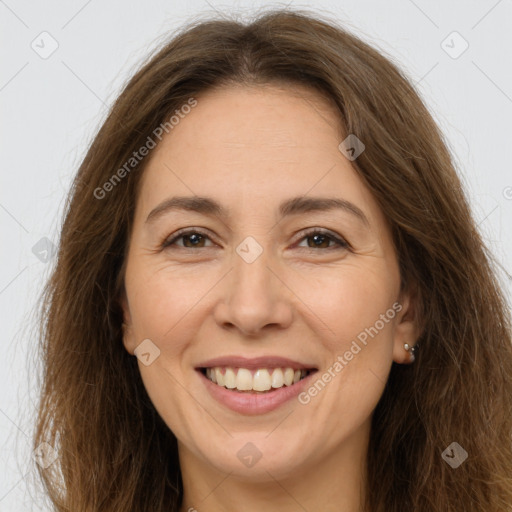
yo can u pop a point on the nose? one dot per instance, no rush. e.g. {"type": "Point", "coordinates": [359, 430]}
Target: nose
{"type": "Point", "coordinates": [255, 297]}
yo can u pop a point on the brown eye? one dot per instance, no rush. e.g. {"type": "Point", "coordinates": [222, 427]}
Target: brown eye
{"type": "Point", "coordinates": [191, 239]}
{"type": "Point", "coordinates": [322, 240]}
{"type": "Point", "coordinates": [195, 240]}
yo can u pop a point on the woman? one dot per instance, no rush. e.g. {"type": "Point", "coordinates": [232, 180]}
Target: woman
{"type": "Point", "coordinates": [270, 290]}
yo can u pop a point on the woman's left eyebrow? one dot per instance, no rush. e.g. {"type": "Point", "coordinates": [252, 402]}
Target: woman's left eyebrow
{"type": "Point", "coordinates": [293, 206]}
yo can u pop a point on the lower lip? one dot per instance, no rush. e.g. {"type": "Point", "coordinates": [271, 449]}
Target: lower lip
{"type": "Point", "coordinates": [254, 403]}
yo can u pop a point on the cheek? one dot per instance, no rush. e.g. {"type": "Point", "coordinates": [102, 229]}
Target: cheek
{"type": "Point", "coordinates": [161, 299]}
{"type": "Point", "coordinates": [349, 300]}
{"type": "Point", "coordinates": [163, 304]}
{"type": "Point", "coordinates": [357, 307]}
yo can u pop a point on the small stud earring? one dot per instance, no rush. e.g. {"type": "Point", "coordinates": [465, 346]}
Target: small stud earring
{"type": "Point", "coordinates": [411, 350]}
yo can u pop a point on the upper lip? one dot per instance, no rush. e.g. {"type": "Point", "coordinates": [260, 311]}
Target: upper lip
{"type": "Point", "coordinates": [255, 363]}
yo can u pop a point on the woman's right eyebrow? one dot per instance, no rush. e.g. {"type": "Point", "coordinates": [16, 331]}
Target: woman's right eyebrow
{"type": "Point", "coordinates": [293, 206]}
{"type": "Point", "coordinates": [198, 204]}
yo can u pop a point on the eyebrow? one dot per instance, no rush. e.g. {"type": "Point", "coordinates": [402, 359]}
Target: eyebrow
{"type": "Point", "coordinates": [293, 206]}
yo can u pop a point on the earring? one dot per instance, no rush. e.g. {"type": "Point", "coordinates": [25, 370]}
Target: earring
{"type": "Point", "coordinates": [411, 350]}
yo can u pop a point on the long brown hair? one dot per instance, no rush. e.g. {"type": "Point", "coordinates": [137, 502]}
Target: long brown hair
{"type": "Point", "coordinates": [115, 452]}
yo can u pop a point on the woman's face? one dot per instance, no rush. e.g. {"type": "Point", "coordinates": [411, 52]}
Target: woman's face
{"type": "Point", "coordinates": [258, 291]}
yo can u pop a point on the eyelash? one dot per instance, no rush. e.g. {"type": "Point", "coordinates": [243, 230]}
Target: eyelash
{"type": "Point", "coordinates": [341, 243]}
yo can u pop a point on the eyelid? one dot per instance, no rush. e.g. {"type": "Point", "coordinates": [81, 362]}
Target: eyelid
{"type": "Point", "coordinates": [171, 239]}
{"type": "Point", "coordinates": [340, 242]}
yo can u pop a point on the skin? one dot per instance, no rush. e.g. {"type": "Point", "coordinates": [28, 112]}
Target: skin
{"type": "Point", "coordinates": [250, 148]}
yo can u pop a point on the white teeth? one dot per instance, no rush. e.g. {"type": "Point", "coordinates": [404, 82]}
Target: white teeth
{"type": "Point", "coordinates": [263, 379]}
{"type": "Point", "coordinates": [243, 380]}
{"type": "Point", "coordinates": [229, 378]}
{"type": "Point", "coordinates": [288, 376]}
{"type": "Point", "coordinates": [277, 378]}
{"type": "Point", "coordinates": [210, 373]}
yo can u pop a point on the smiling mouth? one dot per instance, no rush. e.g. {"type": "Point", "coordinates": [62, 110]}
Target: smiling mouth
{"type": "Point", "coordinates": [261, 380]}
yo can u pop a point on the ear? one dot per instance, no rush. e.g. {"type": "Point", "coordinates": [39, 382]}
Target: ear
{"type": "Point", "coordinates": [407, 326]}
{"type": "Point", "coordinates": [128, 335]}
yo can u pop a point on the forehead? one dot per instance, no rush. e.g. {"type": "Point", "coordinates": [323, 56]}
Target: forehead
{"type": "Point", "coordinates": [254, 146]}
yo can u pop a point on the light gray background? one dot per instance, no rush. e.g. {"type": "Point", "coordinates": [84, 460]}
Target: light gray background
{"type": "Point", "coordinates": [51, 108]}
